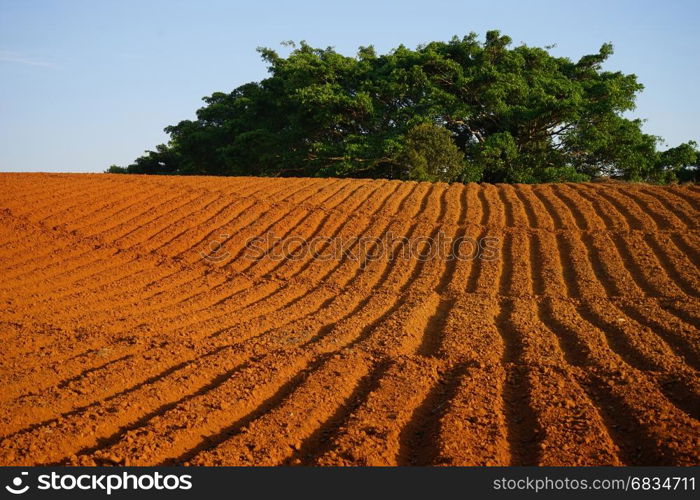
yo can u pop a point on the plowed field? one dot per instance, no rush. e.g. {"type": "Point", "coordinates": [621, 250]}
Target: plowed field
{"type": "Point", "coordinates": [136, 328]}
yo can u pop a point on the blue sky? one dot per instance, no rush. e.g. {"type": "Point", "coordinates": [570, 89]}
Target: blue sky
{"type": "Point", "coordinates": [87, 84]}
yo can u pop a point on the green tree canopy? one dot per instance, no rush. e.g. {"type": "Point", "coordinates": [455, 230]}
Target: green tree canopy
{"type": "Point", "coordinates": [463, 110]}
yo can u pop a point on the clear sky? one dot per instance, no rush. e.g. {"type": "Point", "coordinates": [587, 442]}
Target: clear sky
{"type": "Point", "coordinates": [87, 84]}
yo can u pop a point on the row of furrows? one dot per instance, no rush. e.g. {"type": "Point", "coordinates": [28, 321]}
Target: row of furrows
{"type": "Point", "coordinates": [540, 194]}
{"type": "Point", "coordinates": [520, 431]}
{"type": "Point", "coordinates": [250, 218]}
{"type": "Point", "coordinates": [410, 436]}
{"type": "Point", "coordinates": [256, 291]}
{"type": "Point", "coordinates": [116, 353]}
{"type": "Point", "coordinates": [122, 264]}
{"type": "Point", "coordinates": [99, 236]}
{"type": "Point", "coordinates": [410, 379]}
{"type": "Point", "coordinates": [677, 240]}
{"type": "Point", "coordinates": [385, 193]}
{"type": "Point", "coordinates": [415, 438]}
{"type": "Point", "coordinates": [406, 456]}
{"type": "Point", "coordinates": [634, 347]}
{"type": "Point", "coordinates": [406, 315]}
{"type": "Point", "coordinates": [199, 273]}
{"type": "Point", "coordinates": [505, 257]}
{"type": "Point", "coordinates": [664, 207]}
{"type": "Point", "coordinates": [288, 304]}
{"type": "Point", "coordinates": [157, 210]}
{"type": "Point", "coordinates": [672, 266]}
{"type": "Point", "coordinates": [362, 294]}
{"type": "Point", "coordinates": [679, 256]}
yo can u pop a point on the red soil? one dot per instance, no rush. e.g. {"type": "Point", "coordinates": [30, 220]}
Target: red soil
{"type": "Point", "coordinates": [579, 345]}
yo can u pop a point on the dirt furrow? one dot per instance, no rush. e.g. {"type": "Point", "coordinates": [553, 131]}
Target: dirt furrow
{"type": "Point", "coordinates": [644, 425]}
{"type": "Point", "coordinates": [431, 324]}
{"type": "Point", "coordinates": [319, 298]}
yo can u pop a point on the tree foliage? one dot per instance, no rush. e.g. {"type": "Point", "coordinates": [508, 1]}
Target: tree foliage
{"type": "Point", "coordinates": [430, 154]}
{"type": "Point", "coordinates": [463, 110]}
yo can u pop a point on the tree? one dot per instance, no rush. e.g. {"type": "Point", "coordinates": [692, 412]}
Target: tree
{"type": "Point", "coordinates": [463, 110]}
{"type": "Point", "coordinates": [430, 154]}
{"type": "Point", "coordinates": [115, 169]}
{"type": "Point", "coordinates": [164, 160]}
{"type": "Point", "coordinates": [679, 163]}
